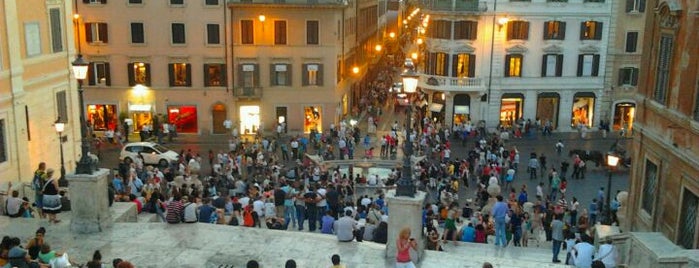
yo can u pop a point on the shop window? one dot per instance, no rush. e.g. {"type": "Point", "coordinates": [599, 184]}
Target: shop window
{"type": "Point", "coordinates": [628, 76]}
{"type": "Point", "coordinates": [312, 32]}
{"type": "Point", "coordinates": [98, 74]}
{"type": "Point", "coordinates": [518, 30]}
{"type": "Point", "coordinates": [180, 74]}
{"type": "Point", "coordinates": [246, 32]}
{"type": "Point", "coordinates": [440, 29]}
{"type": "Point", "coordinates": [650, 188]}
{"type": "Point", "coordinates": [552, 65]}
{"type": "Point", "coordinates": [464, 65]}
{"type": "Point", "coordinates": [137, 33]}
{"type": "Point", "coordinates": [139, 73]}
{"type": "Point", "coordinates": [591, 30]}
{"type": "Point", "coordinates": [183, 117]}
{"type": "Point", "coordinates": [102, 117]}
{"type": "Point", "coordinates": [510, 110]}
{"type": "Point", "coordinates": [583, 110]}
{"type": "Point", "coordinates": [624, 114]}
{"type": "Point", "coordinates": [465, 29]}
{"type": "Point", "coordinates": [56, 24]}
{"type": "Point", "coordinates": [513, 65]}
{"type": "Point", "coordinates": [280, 74]}
{"type": "Point", "coordinates": [215, 75]}
{"type": "Point", "coordinates": [688, 220]}
{"type": "Point", "coordinates": [554, 30]}
{"type": "Point", "coordinates": [313, 119]}
{"type": "Point", "coordinates": [3, 145]}
{"type": "Point", "coordinates": [96, 32]}
{"type": "Point", "coordinates": [279, 32]}
{"type": "Point", "coordinates": [249, 119]}
{"type": "Point", "coordinates": [662, 71]}
{"type": "Point", "coordinates": [312, 74]}
{"type": "Point", "coordinates": [178, 33]}
{"type": "Point", "coordinates": [547, 109]}
{"type": "Point", "coordinates": [588, 64]}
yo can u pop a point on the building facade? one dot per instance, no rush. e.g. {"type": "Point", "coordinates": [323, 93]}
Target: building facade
{"type": "Point", "coordinates": [36, 88]}
{"type": "Point", "coordinates": [504, 61]}
{"type": "Point", "coordinates": [664, 194]}
{"type": "Point", "coordinates": [150, 69]}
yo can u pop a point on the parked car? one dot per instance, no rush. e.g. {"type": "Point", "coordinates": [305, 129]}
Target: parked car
{"type": "Point", "coordinates": [153, 153]}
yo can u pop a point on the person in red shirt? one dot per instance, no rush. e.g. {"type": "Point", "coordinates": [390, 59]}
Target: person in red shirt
{"type": "Point", "coordinates": [139, 205]}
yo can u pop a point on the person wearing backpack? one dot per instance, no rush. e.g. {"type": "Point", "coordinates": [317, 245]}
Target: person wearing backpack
{"type": "Point", "coordinates": [37, 184]}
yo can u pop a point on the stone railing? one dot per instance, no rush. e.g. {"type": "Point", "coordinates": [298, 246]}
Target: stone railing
{"type": "Point", "coordinates": [646, 249]}
{"type": "Point", "coordinates": [463, 83]}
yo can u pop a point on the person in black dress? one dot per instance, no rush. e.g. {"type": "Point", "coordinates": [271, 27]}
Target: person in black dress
{"type": "Point", "coordinates": [52, 200]}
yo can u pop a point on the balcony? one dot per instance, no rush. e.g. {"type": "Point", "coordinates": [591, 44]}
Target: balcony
{"type": "Point", "coordinates": [471, 6]}
{"type": "Point", "coordinates": [247, 92]}
{"type": "Point", "coordinates": [445, 83]}
{"type": "Point", "coordinates": [338, 3]}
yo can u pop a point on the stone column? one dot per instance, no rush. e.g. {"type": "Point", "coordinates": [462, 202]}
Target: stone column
{"type": "Point", "coordinates": [405, 212]}
{"type": "Point", "coordinates": [89, 203]}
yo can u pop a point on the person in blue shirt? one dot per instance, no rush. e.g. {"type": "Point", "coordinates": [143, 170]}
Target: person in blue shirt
{"type": "Point", "coordinates": [327, 223]}
{"type": "Point", "coordinates": [118, 184]}
{"type": "Point", "coordinates": [592, 211]}
{"type": "Point", "coordinates": [499, 213]}
{"type": "Point", "coordinates": [206, 210]}
{"type": "Point", "coordinates": [468, 233]}
{"type": "Point", "coordinates": [380, 201]}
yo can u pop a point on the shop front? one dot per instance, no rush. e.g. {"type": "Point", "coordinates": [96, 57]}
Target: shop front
{"type": "Point", "coordinates": [102, 116]}
{"type": "Point", "coordinates": [249, 119]}
{"type": "Point", "coordinates": [218, 116]}
{"type": "Point", "coordinates": [462, 109]}
{"type": "Point", "coordinates": [624, 114]}
{"type": "Point", "coordinates": [511, 106]}
{"type": "Point", "coordinates": [141, 115]}
{"type": "Point", "coordinates": [583, 109]}
{"type": "Point", "coordinates": [184, 117]}
{"type": "Point", "coordinates": [437, 107]}
{"type": "Point", "coordinates": [547, 107]}
{"type": "Point", "coordinates": [282, 117]}
{"type": "Point", "coordinates": [313, 119]}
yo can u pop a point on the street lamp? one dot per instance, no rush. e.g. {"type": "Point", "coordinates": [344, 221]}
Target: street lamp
{"type": "Point", "coordinates": [612, 162]}
{"type": "Point", "coordinates": [85, 165]}
{"type": "Point", "coordinates": [60, 126]}
{"type": "Point", "coordinates": [406, 187]}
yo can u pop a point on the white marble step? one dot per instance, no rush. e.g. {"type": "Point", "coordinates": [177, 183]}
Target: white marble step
{"type": "Point", "coordinates": [472, 254]}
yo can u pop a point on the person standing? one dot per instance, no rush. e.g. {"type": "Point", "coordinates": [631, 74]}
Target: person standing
{"type": "Point", "coordinates": [499, 213]}
{"type": "Point", "coordinates": [51, 198]}
{"type": "Point", "coordinates": [557, 236]}
{"type": "Point", "coordinates": [533, 166]}
{"type": "Point", "coordinates": [403, 245]}
{"type": "Point", "coordinates": [574, 211]}
{"type": "Point", "coordinates": [559, 147]}
{"type": "Point", "coordinates": [37, 184]}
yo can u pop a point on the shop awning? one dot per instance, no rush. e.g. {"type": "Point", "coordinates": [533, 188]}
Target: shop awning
{"type": "Point", "coordinates": [436, 107]}
{"type": "Point", "coordinates": [461, 109]}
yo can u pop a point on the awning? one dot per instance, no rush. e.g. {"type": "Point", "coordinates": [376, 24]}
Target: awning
{"type": "Point", "coordinates": [461, 109]}
{"type": "Point", "coordinates": [436, 107]}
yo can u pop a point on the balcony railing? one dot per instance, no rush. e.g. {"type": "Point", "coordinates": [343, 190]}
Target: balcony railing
{"type": "Point", "coordinates": [452, 83]}
{"type": "Point", "coordinates": [248, 92]}
{"type": "Point", "coordinates": [291, 2]}
{"type": "Point", "coordinates": [456, 5]}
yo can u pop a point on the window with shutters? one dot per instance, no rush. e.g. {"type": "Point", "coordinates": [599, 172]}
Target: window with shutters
{"type": "Point", "coordinates": [248, 75]}
{"type": "Point", "coordinates": [213, 34]}
{"type": "Point", "coordinates": [628, 76]}
{"type": "Point", "coordinates": [662, 71]}
{"type": "Point", "coordinates": [95, 2]}
{"type": "Point", "coordinates": [650, 187]}
{"type": "Point", "coordinates": [211, 2]}
{"type": "Point", "coordinates": [96, 32]}
{"type": "Point", "coordinates": [465, 29]}
{"type": "Point", "coordinates": [246, 32]}
{"type": "Point", "coordinates": [215, 75]}
{"type": "Point", "coordinates": [440, 29]}
{"type": "Point", "coordinates": [312, 32]}
{"type": "Point", "coordinates": [180, 74]}
{"type": "Point", "coordinates": [3, 143]}
{"type": "Point", "coordinates": [279, 32]}
{"type": "Point", "coordinates": [696, 102]}
{"type": "Point", "coordinates": [591, 30]}
{"type": "Point", "coordinates": [635, 6]}
{"type": "Point", "coordinates": [178, 33]}
{"type": "Point", "coordinates": [588, 64]}
{"type": "Point", "coordinates": [280, 74]}
{"type": "Point", "coordinates": [631, 42]}
{"type": "Point", "coordinates": [518, 30]}
{"type": "Point", "coordinates": [464, 65]}
{"type": "Point", "coordinates": [312, 74]}
{"type": "Point", "coordinates": [55, 19]}
{"type": "Point", "coordinates": [552, 65]}
{"type": "Point", "coordinates": [139, 73]}
{"type": "Point", "coordinates": [137, 33]}
{"type": "Point", "coordinates": [98, 74]}
{"type": "Point", "coordinates": [437, 64]}
{"type": "Point", "coordinates": [513, 65]}
{"type": "Point", "coordinates": [554, 30]}
{"type": "Point", "coordinates": [135, 2]}
{"type": "Point", "coordinates": [62, 106]}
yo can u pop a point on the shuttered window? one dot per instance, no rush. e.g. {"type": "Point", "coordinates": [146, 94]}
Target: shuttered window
{"type": "Point", "coordinates": [56, 29]}
{"type": "Point", "coordinates": [215, 75]}
{"type": "Point", "coordinates": [628, 76]}
{"type": "Point", "coordinates": [631, 42]}
{"type": "Point", "coordinates": [465, 29]}
{"type": "Point", "coordinates": [139, 73]}
{"type": "Point", "coordinates": [178, 33]}
{"type": "Point", "coordinates": [248, 75]}
{"type": "Point", "coordinates": [98, 74]}
{"type": "Point", "coordinates": [518, 30]}
{"type": "Point", "coordinates": [3, 144]}
{"type": "Point", "coordinates": [552, 65]}
{"type": "Point", "coordinates": [591, 30]}
{"type": "Point", "coordinates": [662, 71]}
{"type": "Point", "coordinates": [513, 65]}
{"type": "Point", "coordinates": [280, 74]}
{"type": "Point", "coordinates": [96, 32]}
{"type": "Point", "coordinates": [312, 74]}
{"type": "Point", "coordinates": [246, 32]}
{"type": "Point", "coordinates": [588, 64]}
{"type": "Point", "coordinates": [62, 106]}
{"type": "Point", "coordinates": [279, 32]}
{"type": "Point", "coordinates": [213, 35]}
{"type": "Point", "coordinates": [137, 33]}
{"type": "Point", "coordinates": [440, 29]}
{"type": "Point", "coordinates": [554, 30]}
{"type": "Point", "coordinates": [180, 74]}
{"type": "Point", "coordinates": [464, 65]}
{"type": "Point", "coordinates": [312, 32]}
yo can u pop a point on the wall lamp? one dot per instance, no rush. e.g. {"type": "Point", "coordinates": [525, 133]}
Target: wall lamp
{"type": "Point", "coordinates": [502, 22]}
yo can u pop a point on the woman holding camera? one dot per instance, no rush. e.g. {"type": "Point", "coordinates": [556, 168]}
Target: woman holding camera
{"type": "Point", "coordinates": [403, 245]}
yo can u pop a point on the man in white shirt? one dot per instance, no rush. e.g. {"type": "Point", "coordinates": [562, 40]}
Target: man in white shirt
{"type": "Point", "coordinates": [582, 254]}
{"type": "Point", "coordinates": [14, 205]}
{"type": "Point", "coordinates": [607, 254]}
{"type": "Point", "coordinates": [259, 207]}
{"type": "Point", "coordinates": [344, 227]}
{"type": "Point", "coordinates": [322, 204]}
{"type": "Point", "coordinates": [189, 210]}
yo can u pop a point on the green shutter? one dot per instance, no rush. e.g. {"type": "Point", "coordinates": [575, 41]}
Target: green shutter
{"type": "Point", "coordinates": [91, 74]}
{"type": "Point", "coordinates": [171, 74]}
{"type": "Point", "coordinates": [595, 65]}
{"type": "Point", "coordinates": [472, 65]}
{"type": "Point", "coordinates": [189, 74]}
{"type": "Point", "coordinates": [559, 65]}
{"type": "Point", "coordinates": [543, 65]}
{"type": "Point", "coordinates": [107, 76]}
{"type": "Point", "coordinates": [206, 75]}
{"type": "Point", "coordinates": [147, 74]}
{"type": "Point", "coordinates": [581, 58]}
{"type": "Point", "coordinates": [129, 70]}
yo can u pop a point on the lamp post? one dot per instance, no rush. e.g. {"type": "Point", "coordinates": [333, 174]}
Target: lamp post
{"type": "Point", "coordinates": [85, 165]}
{"type": "Point", "coordinates": [612, 162]}
{"type": "Point", "coordinates": [60, 126]}
{"type": "Point", "coordinates": [406, 187]}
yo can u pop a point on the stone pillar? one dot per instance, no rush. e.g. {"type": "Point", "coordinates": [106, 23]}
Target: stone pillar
{"type": "Point", "coordinates": [89, 203]}
{"type": "Point", "coordinates": [405, 212]}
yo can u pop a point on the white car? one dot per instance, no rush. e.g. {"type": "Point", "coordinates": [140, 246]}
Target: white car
{"type": "Point", "coordinates": [153, 153]}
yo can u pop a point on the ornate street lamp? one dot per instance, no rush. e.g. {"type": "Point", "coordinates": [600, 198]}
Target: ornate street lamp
{"type": "Point", "coordinates": [406, 187]}
{"type": "Point", "coordinates": [612, 162]}
{"type": "Point", "coordinates": [85, 165]}
{"type": "Point", "coordinates": [60, 127]}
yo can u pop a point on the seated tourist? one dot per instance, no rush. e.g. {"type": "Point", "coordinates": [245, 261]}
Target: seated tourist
{"type": "Point", "coordinates": [18, 257]}
{"type": "Point", "coordinates": [274, 223]}
{"type": "Point", "coordinates": [468, 233]}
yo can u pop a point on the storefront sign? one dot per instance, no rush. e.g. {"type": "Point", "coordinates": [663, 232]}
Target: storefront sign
{"type": "Point", "coordinates": [461, 109]}
{"type": "Point", "coordinates": [139, 107]}
{"type": "Point", "coordinates": [436, 107]}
